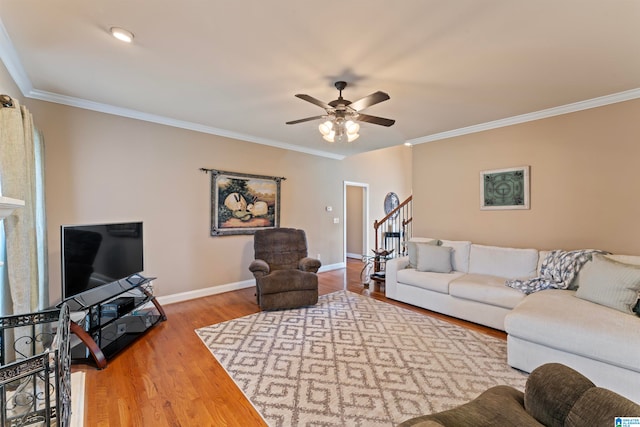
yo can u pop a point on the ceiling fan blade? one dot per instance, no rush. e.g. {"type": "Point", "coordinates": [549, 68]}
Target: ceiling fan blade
{"type": "Point", "coordinates": [315, 101]}
{"type": "Point", "coordinates": [308, 119]}
{"type": "Point", "coordinates": [375, 120]}
{"type": "Point", "coordinates": [368, 101]}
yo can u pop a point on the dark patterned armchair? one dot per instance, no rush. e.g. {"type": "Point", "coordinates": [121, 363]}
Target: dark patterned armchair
{"type": "Point", "coordinates": [285, 275]}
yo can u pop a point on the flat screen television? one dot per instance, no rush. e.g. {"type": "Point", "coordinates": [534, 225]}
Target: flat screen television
{"type": "Point", "coordinates": [94, 255]}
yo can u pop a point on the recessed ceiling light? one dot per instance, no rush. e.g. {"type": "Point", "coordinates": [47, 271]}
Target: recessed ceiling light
{"type": "Point", "coordinates": [122, 34]}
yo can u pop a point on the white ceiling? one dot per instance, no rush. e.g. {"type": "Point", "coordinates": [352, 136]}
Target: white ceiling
{"type": "Point", "coordinates": [233, 67]}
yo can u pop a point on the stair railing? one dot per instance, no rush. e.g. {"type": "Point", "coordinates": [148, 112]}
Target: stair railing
{"type": "Point", "coordinates": [394, 230]}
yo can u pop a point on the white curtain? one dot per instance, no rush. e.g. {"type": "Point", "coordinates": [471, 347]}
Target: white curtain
{"type": "Point", "coordinates": [24, 277]}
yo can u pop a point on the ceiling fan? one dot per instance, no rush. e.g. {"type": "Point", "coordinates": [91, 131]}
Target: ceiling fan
{"type": "Point", "coordinates": [341, 115]}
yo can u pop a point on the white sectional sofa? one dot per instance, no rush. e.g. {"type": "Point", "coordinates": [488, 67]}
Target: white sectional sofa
{"type": "Point", "coordinates": [473, 291]}
{"type": "Point", "coordinates": [552, 325]}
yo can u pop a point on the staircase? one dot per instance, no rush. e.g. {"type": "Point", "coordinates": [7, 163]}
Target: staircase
{"type": "Point", "coordinates": [392, 233]}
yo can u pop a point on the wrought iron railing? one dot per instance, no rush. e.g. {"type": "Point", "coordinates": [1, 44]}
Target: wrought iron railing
{"type": "Point", "coordinates": [394, 230]}
{"type": "Point", "coordinates": [35, 371]}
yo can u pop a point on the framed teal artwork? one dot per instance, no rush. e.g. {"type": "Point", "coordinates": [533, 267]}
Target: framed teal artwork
{"type": "Point", "coordinates": [504, 188]}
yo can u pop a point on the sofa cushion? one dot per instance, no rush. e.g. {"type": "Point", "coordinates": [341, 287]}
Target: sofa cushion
{"type": "Point", "coordinates": [626, 259]}
{"type": "Point", "coordinates": [460, 255]}
{"type": "Point", "coordinates": [422, 239]}
{"type": "Point", "coordinates": [433, 258]}
{"type": "Point", "coordinates": [412, 249]}
{"type": "Point", "coordinates": [558, 319]}
{"type": "Point", "coordinates": [485, 289]}
{"type": "Point", "coordinates": [611, 283]}
{"type": "Point", "coordinates": [437, 282]}
{"type": "Point", "coordinates": [503, 262]}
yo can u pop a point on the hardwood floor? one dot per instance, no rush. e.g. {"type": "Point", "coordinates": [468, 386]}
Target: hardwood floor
{"type": "Point", "coordinates": [169, 378]}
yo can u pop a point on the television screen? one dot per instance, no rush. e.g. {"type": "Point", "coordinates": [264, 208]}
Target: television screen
{"type": "Point", "coordinates": [94, 255]}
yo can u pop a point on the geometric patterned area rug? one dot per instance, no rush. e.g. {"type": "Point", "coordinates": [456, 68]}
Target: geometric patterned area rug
{"type": "Point", "coordinates": [351, 360]}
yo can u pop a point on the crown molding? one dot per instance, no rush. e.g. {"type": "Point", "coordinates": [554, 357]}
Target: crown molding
{"type": "Point", "coordinates": [153, 118]}
{"type": "Point", "coordinates": [10, 58]}
{"type": "Point", "coordinates": [11, 61]}
{"type": "Point", "coordinates": [529, 117]}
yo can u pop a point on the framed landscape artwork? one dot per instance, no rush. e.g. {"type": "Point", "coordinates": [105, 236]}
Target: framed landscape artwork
{"type": "Point", "coordinates": [243, 203]}
{"type": "Point", "coordinates": [504, 188]}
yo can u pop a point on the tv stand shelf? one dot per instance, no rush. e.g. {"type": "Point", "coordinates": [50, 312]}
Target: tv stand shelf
{"type": "Point", "coordinates": [112, 316]}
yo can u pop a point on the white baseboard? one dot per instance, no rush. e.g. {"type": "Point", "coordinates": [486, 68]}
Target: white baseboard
{"type": "Point", "coordinates": [199, 293]}
{"type": "Point", "coordinates": [219, 289]}
{"type": "Point", "coordinates": [77, 399]}
{"type": "Point", "coordinates": [330, 267]}
{"type": "Point", "coordinates": [356, 256]}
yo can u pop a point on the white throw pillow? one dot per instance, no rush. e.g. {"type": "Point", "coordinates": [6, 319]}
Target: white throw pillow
{"type": "Point", "coordinates": [412, 251]}
{"type": "Point", "coordinates": [460, 255]}
{"type": "Point", "coordinates": [625, 259]}
{"type": "Point", "coordinates": [610, 283]}
{"type": "Point", "coordinates": [436, 259]}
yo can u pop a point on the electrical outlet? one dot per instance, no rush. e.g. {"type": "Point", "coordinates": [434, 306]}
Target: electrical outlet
{"type": "Point", "coordinates": [336, 220]}
{"type": "Point", "coordinates": [318, 257]}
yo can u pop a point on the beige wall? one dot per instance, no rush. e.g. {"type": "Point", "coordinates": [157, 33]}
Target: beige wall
{"type": "Point", "coordinates": [105, 168]}
{"type": "Point", "coordinates": [585, 185]}
{"type": "Point", "coordinates": [384, 171]}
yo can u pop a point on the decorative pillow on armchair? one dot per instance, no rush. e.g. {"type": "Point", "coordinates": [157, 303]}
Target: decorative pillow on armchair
{"type": "Point", "coordinates": [611, 283]}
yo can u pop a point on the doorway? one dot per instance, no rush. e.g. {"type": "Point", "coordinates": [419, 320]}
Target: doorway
{"type": "Point", "coordinates": [356, 219]}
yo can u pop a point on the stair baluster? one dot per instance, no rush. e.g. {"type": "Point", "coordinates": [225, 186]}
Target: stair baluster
{"type": "Point", "coordinates": [392, 233]}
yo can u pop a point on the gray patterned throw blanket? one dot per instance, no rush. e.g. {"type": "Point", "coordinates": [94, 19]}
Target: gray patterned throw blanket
{"type": "Point", "coordinates": [557, 271]}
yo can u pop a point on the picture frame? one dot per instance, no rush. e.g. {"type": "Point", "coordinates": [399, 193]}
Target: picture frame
{"type": "Point", "coordinates": [243, 203]}
{"type": "Point", "coordinates": [502, 189]}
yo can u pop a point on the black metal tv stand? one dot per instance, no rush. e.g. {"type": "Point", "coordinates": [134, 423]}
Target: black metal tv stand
{"type": "Point", "coordinates": [114, 315]}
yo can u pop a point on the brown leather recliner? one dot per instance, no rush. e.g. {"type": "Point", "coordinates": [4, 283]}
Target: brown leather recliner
{"type": "Point", "coordinates": [285, 275]}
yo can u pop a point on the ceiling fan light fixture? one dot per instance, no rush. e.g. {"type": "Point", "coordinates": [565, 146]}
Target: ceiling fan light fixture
{"type": "Point", "coordinates": [326, 127]}
{"type": "Point", "coordinates": [352, 127]}
{"type": "Point", "coordinates": [122, 34]}
{"type": "Point", "coordinates": [342, 115]}
{"type": "Point", "coordinates": [339, 131]}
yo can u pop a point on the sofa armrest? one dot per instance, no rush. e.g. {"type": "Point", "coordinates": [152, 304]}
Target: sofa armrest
{"type": "Point", "coordinates": [259, 268]}
{"type": "Point", "coordinates": [544, 387]}
{"type": "Point", "coordinates": [309, 264]}
{"type": "Point", "coordinates": [498, 406]}
{"type": "Point", "coordinates": [391, 275]}
{"type": "Point", "coordinates": [598, 406]}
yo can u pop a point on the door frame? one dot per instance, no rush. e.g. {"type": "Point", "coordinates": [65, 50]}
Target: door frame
{"type": "Point", "coordinates": [365, 216]}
